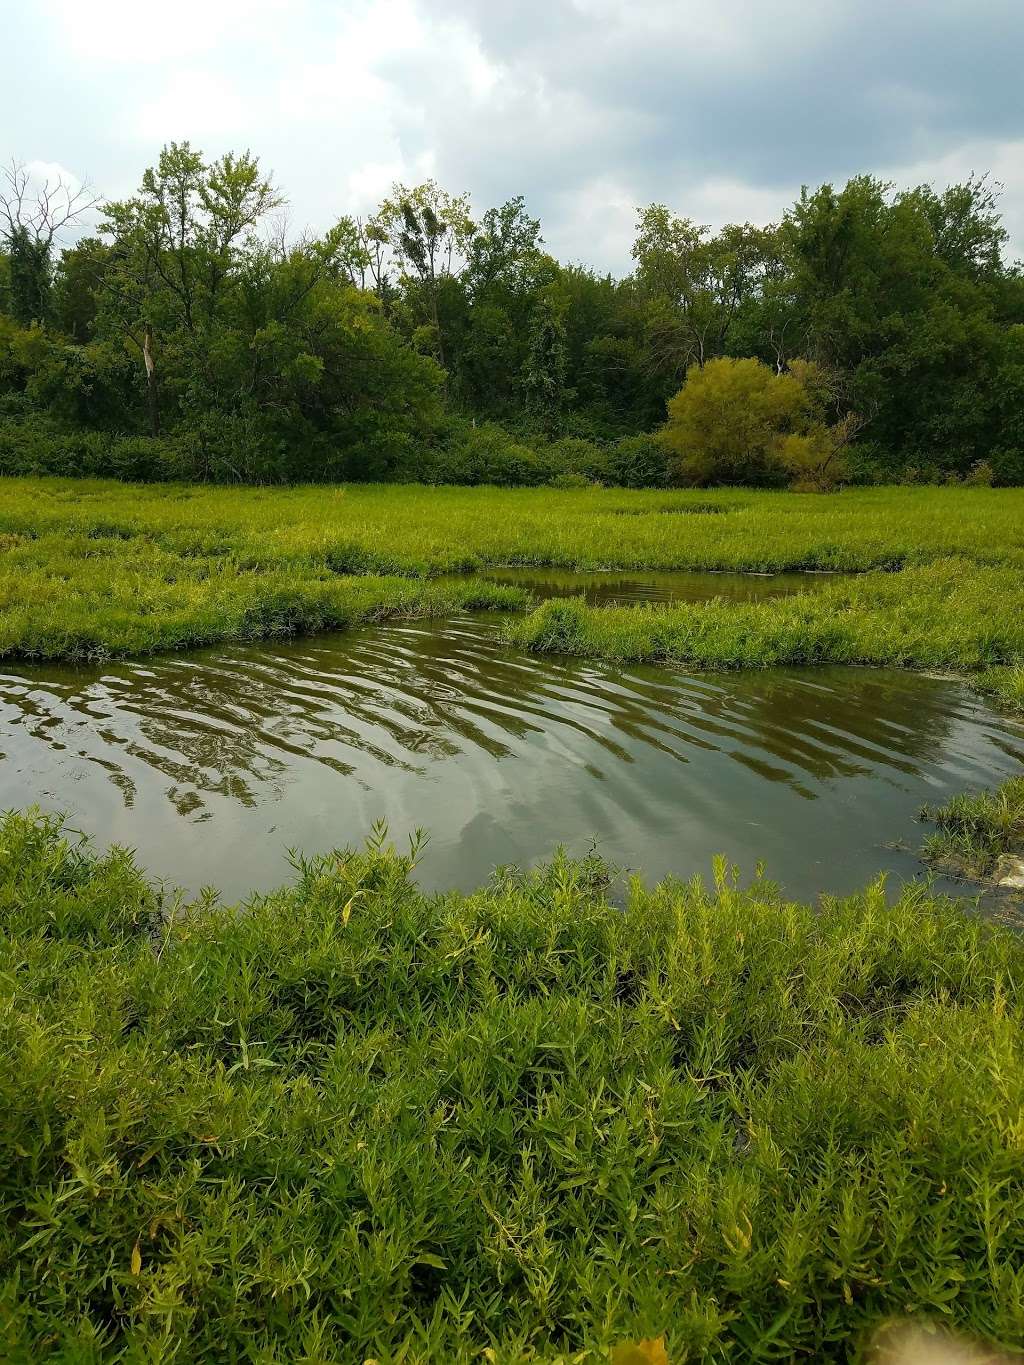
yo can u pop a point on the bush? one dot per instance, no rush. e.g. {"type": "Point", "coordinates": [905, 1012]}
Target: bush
{"type": "Point", "coordinates": [576, 455]}
{"type": "Point", "coordinates": [638, 462]}
{"type": "Point", "coordinates": [35, 444]}
{"type": "Point", "coordinates": [725, 423]}
{"type": "Point", "coordinates": [740, 422]}
{"type": "Point", "coordinates": [572, 481]}
{"type": "Point", "coordinates": [980, 475]}
{"type": "Point", "coordinates": [484, 454]}
{"type": "Point", "coordinates": [1007, 466]}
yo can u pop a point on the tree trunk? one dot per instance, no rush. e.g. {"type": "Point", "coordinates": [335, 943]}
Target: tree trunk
{"type": "Point", "coordinates": [147, 355]}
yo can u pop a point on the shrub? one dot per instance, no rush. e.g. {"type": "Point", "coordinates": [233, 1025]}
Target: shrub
{"type": "Point", "coordinates": [572, 481]}
{"type": "Point", "coordinates": [484, 454]}
{"type": "Point", "coordinates": [738, 421]}
{"type": "Point", "coordinates": [980, 475]}
{"type": "Point", "coordinates": [575, 455]}
{"type": "Point", "coordinates": [725, 423]}
{"type": "Point", "coordinates": [35, 444]}
{"type": "Point", "coordinates": [638, 462]}
{"type": "Point", "coordinates": [1007, 466]}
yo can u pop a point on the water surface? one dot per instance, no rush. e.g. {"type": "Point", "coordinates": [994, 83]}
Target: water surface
{"type": "Point", "coordinates": [625, 587]}
{"type": "Point", "coordinates": [212, 765]}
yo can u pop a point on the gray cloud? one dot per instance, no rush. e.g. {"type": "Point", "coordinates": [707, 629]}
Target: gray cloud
{"type": "Point", "coordinates": [589, 108]}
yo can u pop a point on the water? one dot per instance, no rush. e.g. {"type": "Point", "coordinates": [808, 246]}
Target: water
{"type": "Point", "coordinates": [212, 765]}
{"type": "Point", "coordinates": [620, 587]}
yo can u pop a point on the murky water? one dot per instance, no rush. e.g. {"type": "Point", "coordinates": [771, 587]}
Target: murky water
{"type": "Point", "coordinates": [624, 587]}
{"type": "Point", "coordinates": [212, 765]}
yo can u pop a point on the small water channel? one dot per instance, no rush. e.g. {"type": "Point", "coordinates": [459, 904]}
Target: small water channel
{"type": "Point", "coordinates": [617, 587]}
{"type": "Point", "coordinates": [211, 765]}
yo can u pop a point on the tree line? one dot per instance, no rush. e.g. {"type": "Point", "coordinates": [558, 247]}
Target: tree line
{"type": "Point", "coordinates": [874, 333]}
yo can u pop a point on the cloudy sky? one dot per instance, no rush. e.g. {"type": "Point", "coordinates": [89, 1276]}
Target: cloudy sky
{"type": "Point", "coordinates": [720, 108]}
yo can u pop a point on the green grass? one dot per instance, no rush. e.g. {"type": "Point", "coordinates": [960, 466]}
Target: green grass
{"type": "Point", "coordinates": [91, 568]}
{"type": "Point", "coordinates": [975, 829]}
{"type": "Point", "coordinates": [133, 602]}
{"type": "Point", "coordinates": [359, 1123]}
{"type": "Point", "coordinates": [949, 614]}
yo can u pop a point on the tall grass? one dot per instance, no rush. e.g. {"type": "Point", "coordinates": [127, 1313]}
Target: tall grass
{"type": "Point", "coordinates": [975, 829]}
{"type": "Point", "coordinates": [90, 569]}
{"type": "Point", "coordinates": [951, 613]}
{"type": "Point", "coordinates": [359, 1123]}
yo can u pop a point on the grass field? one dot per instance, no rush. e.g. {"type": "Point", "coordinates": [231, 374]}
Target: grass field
{"type": "Point", "coordinates": [91, 569]}
{"type": "Point", "coordinates": [358, 1123]}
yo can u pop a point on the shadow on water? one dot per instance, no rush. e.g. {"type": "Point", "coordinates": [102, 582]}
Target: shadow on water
{"type": "Point", "coordinates": [212, 765]}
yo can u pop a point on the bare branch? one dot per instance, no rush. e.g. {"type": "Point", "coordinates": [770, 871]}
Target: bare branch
{"type": "Point", "coordinates": [47, 211]}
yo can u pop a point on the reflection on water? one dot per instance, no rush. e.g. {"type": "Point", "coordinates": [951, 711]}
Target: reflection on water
{"type": "Point", "coordinates": [212, 765]}
{"type": "Point", "coordinates": [623, 587]}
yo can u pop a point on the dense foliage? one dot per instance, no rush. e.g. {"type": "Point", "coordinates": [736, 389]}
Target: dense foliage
{"type": "Point", "coordinates": [741, 422]}
{"type": "Point", "coordinates": [191, 339]}
{"type": "Point", "coordinates": [359, 1123]}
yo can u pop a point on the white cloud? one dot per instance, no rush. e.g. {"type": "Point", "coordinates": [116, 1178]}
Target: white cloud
{"type": "Point", "coordinates": [199, 106]}
{"type": "Point", "coordinates": [587, 107]}
{"type": "Point", "coordinates": [121, 32]}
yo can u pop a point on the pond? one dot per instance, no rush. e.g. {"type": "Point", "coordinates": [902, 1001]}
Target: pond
{"type": "Point", "coordinates": [620, 587]}
{"type": "Point", "coordinates": [212, 765]}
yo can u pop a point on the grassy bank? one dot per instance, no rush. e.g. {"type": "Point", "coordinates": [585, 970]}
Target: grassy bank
{"type": "Point", "coordinates": [360, 1123]}
{"type": "Point", "coordinates": [92, 569]}
{"type": "Point", "coordinates": [84, 606]}
{"type": "Point", "coordinates": [950, 614]}
{"type": "Point", "coordinates": [976, 829]}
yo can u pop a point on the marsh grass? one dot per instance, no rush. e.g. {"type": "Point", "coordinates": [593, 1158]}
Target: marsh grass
{"type": "Point", "coordinates": [90, 569]}
{"type": "Point", "coordinates": [140, 600]}
{"type": "Point", "coordinates": [952, 613]}
{"type": "Point", "coordinates": [356, 1122]}
{"type": "Point", "coordinates": [975, 829]}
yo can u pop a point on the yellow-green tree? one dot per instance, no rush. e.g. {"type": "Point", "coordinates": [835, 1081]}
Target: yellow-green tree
{"type": "Point", "coordinates": [742, 422]}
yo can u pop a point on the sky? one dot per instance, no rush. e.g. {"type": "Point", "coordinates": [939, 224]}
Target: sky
{"type": "Point", "coordinates": [721, 109]}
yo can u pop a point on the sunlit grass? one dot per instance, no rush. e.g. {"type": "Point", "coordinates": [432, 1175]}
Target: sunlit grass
{"type": "Point", "coordinates": [357, 1122]}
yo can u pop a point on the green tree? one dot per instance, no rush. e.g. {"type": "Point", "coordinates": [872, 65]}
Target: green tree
{"type": "Point", "coordinates": [78, 282]}
{"type": "Point", "coordinates": [543, 377]}
{"type": "Point", "coordinates": [176, 244]}
{"type": "Point", "coordinates": [906, 293]}
{"type": "Point", "coordinates": [694, 284]}
{"type": "Point", "coordinates": [430, 232]}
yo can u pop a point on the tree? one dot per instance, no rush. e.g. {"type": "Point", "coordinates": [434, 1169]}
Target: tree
{"type": "Point", "coordinates": [906, 293]}
{"type": "Point", "coordinates": [175, 245]}
{"type": "Point", "coordinates": [543, 377]}
{"type": "Point", "coordinates": [694, 282]}
{"type": "Point", "coordinates": [78, 283]}
{"type": "Point", "coordinates": [430, 232]}
{"type": "Point", "coordinates": [32, 217]}
{"type": "Point", "coordinates": [739, 421]}
{"type": "Point", "coordinates": [489, 329]}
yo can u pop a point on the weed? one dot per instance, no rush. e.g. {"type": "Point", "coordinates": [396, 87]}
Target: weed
{"type": "Point", "coordinates": [355, 1122]}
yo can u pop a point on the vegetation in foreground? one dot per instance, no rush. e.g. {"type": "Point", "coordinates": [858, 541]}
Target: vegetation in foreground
{"type": "Point", "coordinates": [90, 568]}
{"type": "Point", "coordinates": [977, 829]}
{"type": "Point", "coordinates": [357, 1122]}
